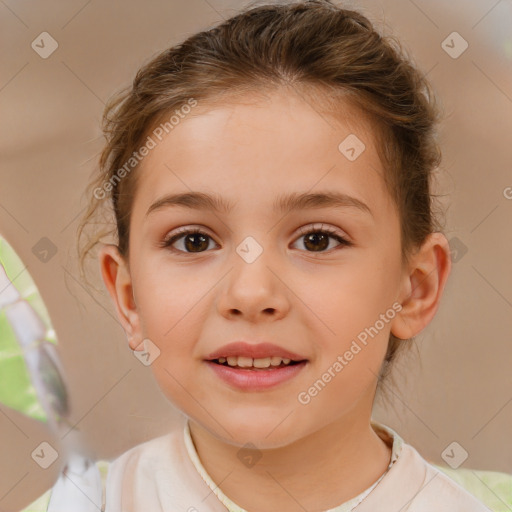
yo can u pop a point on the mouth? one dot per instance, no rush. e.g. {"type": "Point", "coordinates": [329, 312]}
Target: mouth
{"type": "Point", "coordinates": [254, 367]}
{"type": "Point", "coordinates": [251, 375]}
{"type": "Point", "coordinates": [256, 364]}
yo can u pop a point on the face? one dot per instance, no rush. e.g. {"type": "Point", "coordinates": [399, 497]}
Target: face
{"type": "Point", "coordinates": [315, 280]}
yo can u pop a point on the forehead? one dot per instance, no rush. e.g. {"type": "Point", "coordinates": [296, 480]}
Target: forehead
{"type": "Point", "coordinates": [263, 146]}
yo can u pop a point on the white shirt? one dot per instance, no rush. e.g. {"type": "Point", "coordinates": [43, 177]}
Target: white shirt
{"type": "Point", "coordinates": [166, 475]}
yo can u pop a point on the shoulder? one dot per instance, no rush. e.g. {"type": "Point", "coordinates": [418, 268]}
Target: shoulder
{"type": "Point", "coordinates": [412, 484]}
{"type": "Point", "coordinates": [420, 486]}
{"type": "Point", "coordinates": [493, 488]}
{"type": "Point", "coordinates": [439, 491]}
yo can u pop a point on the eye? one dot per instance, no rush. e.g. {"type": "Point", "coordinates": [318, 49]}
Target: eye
{"type": "Point", "coordinates": [317, 238]}
{"type": "Point", "coordinates": [193, 240]}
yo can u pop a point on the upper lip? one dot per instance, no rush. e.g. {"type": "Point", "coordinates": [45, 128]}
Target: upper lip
{"type": "Point", "coordinates": [254, 350]}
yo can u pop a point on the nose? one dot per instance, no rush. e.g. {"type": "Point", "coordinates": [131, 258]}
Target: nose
{"type": "Point", "coordinates": [254, 290]}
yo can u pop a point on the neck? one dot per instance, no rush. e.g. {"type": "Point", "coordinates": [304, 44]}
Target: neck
{"type": "Point", "coordinates": [318, 472]}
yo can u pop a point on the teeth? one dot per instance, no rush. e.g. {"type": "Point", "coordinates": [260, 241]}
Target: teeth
{"type": "Point", "coordinates": [245, 362]}
{"type": "Point", "coordinates": [232, 360]}
{"type": "Point", "coordinates": [248, 362]}
{"type": "Point", "coordinates": [261, 363]}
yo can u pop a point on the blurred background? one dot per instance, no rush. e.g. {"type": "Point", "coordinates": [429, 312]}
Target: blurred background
{"type": "Point", "coordinates": [52, 95]}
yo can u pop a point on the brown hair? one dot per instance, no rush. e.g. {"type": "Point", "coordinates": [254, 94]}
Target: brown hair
{"type": "Point", "coordinates": [322, 50]}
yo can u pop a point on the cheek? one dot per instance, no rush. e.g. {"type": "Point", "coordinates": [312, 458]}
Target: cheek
{"type": "Point", "coordinates": [350, 298]}
{"type": "Point", "coordinates": [355, 304]}
{"type": "Point", "coordinates": [175, 378]}
{"type": "Point", "coordinates": [169, 302]}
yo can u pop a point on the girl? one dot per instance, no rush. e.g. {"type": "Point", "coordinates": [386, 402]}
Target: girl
{"type": "Point", "coordinates": [276, 248]}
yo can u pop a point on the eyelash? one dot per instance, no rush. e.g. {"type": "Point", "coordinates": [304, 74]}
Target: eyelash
{"type": "Point", "coordinates": [167, 243]}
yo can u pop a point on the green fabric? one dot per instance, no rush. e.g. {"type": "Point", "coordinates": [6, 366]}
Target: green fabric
{"type": "Point", "coordinates": [16, 389]}
{"type": "Point", "coordinates": [492, 488]}
{"type": "Point", "coordinates": [41, 504]}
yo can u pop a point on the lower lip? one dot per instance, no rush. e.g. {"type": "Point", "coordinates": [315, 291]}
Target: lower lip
{"type": "Point", "coordinates": [255, 380]}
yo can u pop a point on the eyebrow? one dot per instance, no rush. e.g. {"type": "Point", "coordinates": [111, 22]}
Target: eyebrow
{"type": "Point", "coordinates": [283, 203]}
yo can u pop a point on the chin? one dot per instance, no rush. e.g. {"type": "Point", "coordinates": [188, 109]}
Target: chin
{"type": "Point", "coordinates": [265, 430]}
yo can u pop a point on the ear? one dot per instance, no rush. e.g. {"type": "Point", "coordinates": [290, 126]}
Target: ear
{"type": "Point", "coordinates": [423, 285]}
{"type": "Point", "coordinates": [116, 276]}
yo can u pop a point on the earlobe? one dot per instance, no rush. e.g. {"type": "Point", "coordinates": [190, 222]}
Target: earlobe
{"type": "Point", "coordinates": [117, 279]}
{"type": "Point", "coordinates": [423, 286]}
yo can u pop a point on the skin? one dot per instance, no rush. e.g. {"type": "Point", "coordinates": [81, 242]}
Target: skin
{"type": "Point", "coordinates": [314, 456]}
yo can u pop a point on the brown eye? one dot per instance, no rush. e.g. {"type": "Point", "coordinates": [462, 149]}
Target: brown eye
{"type": "Point", "coordinates": [194, 240]}
{"type": "Point", "coordinates": [191, 241]}
{"type": "Point", "coordinates": [318, 240]}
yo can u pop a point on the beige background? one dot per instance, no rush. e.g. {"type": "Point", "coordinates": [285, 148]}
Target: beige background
{"type": "Point", "coordinates": [49, 141]}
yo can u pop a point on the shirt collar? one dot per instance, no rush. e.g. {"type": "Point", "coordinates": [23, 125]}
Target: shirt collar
{"type": "Point", "coordinates": [383, 431]}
